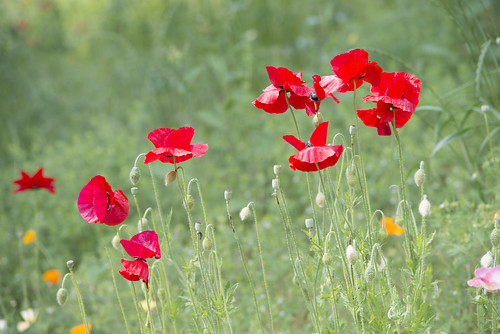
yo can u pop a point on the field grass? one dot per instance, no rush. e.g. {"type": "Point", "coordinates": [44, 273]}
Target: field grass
{"type": "Point", "coordinates": [83, 83]}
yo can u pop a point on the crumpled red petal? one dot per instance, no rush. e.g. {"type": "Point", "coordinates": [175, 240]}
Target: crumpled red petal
{"type": "Point", "coordinates": [135, 270]}
{"type": "Point", "coordinates": [143, 245]}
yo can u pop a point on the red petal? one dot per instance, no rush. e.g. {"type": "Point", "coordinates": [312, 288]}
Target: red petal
{"type": "Point", "coordinates": [350, 65]}
{"type": "Point", "coordinates": [118, 211]}
{"type": "Point", "coordinates": [158, 136]}
{"type": "Point", "coordinates": [318, 137]}
{"type": "Point", "coordinates": [292, 140]}
{"type": "Point", "coordinates": [135, 270]}
{"type": "Point", "coordinates": [198, 150]}
{"type": "Point", "coordinates": [311, 158]}
{"type": "Point", "coordinates": [272, 101]}
{"type": "Point", "coordinates": [143, 245]}
{"type": "Point", "coordinates": [283, 78]}
{"type": "Point", "coordinates": [180, 138]}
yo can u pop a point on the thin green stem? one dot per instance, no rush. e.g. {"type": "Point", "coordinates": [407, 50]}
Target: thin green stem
{"type": "Point", "coordinates": [80, 302]}
{"type": "Point", "coordinates": [116, 290]}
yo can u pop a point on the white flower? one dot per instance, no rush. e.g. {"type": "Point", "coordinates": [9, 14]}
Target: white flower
{"type": "Point", "coordinates": [29, 316]}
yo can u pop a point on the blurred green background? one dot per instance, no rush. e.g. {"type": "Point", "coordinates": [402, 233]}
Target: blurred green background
{"type": "Point", "coordinates": [82, 83]}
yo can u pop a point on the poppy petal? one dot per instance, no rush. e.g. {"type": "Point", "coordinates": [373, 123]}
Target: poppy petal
{"type": "Point", "coordinates": [318, 137]}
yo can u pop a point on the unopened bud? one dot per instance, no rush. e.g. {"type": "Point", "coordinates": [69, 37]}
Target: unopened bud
{"type": "Point", "coordinates": [495, 237]}
{"type": "Point", "coordinates": [351, 254]}
{"type": "Point", "coordinates": [207, 244]}
{"type": "Point", "coordinates": [327, 258]}
{"type": "Point", "coordinates": [70, 264]}
{"type": "Point", "coordinates": [190, 202]}
{"type": "Point", "coordinates": [274, 183]}
{"type": "Point", "coordinates": [135, 175]}
{"type": "Point", "coordinates": [486, 260]}
{"type": "Point", "coordinates": [485, 108]}
{"type": "Point", "coordinates": [245, 213]}
{"type": "Point", "coordinates": [142, 224]}
{"type": "Point", "coordinates": [350, 174]}
{"type": "Point", "coordinates": [420, 175]}
{"type": "Point", "coordinates": [198, 226]}
{"type": "Point", "coordinates": [369, 273]}
{"type": "Point", "coordinates": [116, 242]}
{"type": "Point", "coordinates": [134, 191]}
{"type": "Point", "coordinates": [497, 40]}
{"type": "Point", "coordinates": [228, 194]}
{"type": "Point", "coordinates": [320, 199]}
{"type": "Point", "coordinates": [277, 170]}
{"type": "Point", "coordinates": [309, 223]}
{"type": "Point", "coordinates": [61, 296]}
{"type": "Point", "coordinates": [170, 177]}
{"type": "Point", "coordinates": [425, 207]}
{"type": "Point", "coordinates": [353, 130]}
{"type": "Point", "coordinates": [317, 119]}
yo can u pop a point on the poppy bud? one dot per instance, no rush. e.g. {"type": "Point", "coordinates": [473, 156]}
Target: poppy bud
{"type": "Point", "coordinates": [353, 130]}
{"type": "Point", "coordinates": [134, 191]}
{"type": "Point", "coordinates": [275, 184]}
{"type": "Point", "coordinates": [190, 202]}
{"type": "Point", "coordinates": [485, 108]}
{"type": "Point", "coordinates": [142, 224]}
{"type": "Point", "coordinates": [351, 254]}
{"type": "Point", "coordinates": [70, 264]}
{"type": "Point", "coordinates": [116, 242]}
{"type": "Point", "coordinates": [61, 296]}
{"type": "Point", "coordinates": [486, 260]}
{"type": "Point", "coordinates": [327, 258]}
{"type": "Point", "coordinates": [317, 119]}
{"type": "Point", "coordinates": [135, 175]}
{"type": "Point", "coordinates": [497, 40]}
{"type": "Point", "coordinates": [309, 223]}
{"type": "Point", "coordinates": [198, 226]}
{"type": "Point", "coordinates": [277, 170]}
{"type": "Point", "coordinates": [425, 207]}
{"type": "Point", "coordinates": [350, 174]}
{"type": "Point", "coordinates": [381, 236]}
{"type": "Point", "coordinates": [207, 244]}
{"type": "Point", "coordinates": [320, 199]}
{"type": "Point", "coordinates": [495, 237]}
{"type": "Point", "coordinates": [228, 194]}
{"type": "Point", "coordinates": [170, 177]}
{"type": "Point", "coordinates": [245, 213]}
{"type": "Point", "coordinates": [369, 273]}
{"type": "Point", "coordinates": [420, 175]}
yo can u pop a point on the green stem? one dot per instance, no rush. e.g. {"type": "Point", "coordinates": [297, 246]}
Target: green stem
{"type": "Point", "coordinates": [116, 290]}
{"type": "Point", "coordinates": [80, 302]}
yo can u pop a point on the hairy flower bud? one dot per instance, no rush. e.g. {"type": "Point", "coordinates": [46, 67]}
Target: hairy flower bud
{"type": "Point", "coordinates": [190, 202]}
{"type": "Point", "coordinates": [70, 264]}
{"type": "Point", "coordinates": [274, 184]}
{"type": "Point", "coordinates": [198, 226]}
{"type": "Point", "coordinates": [351, 254]}
{"type": "Point", "coordinates": [309, 223]}
{"type": "Point", "coordinates": [327, 258]}
{"type": "Point", "coordinates": [116, 242]}
{"type": "Point", "coordinates": [207, 244]}
{"type": "Point", "coordinates": [61, 296]}
{"type": "Point", "coordinates": [170, 177]}
{"type": "Point", "coordinates": [228, 194]}
{"type": "Point", "coordinates": [277, 170]}
{"type": "Point", "coordinates": [495, 237]}
{"type": "Point", "coordinates": [369, 273]}
{"type": "Point", "coordinates": [350, 174]}
{"type": "Point", "coordinates": [317, 119]}
{"type": "Point", "coordinates": [134, 191]}
{"type": "Point", "coordinates": [420, 175]}
{"type": "Point", "coordinates": [320, 199]}
{"type": "Point", "coordinates": [486, 260]}
{"type": "Point", "coordinates": [425, 207]}
{"type": "Point", "coordinates": [135, 175]}
{"type": "Point", "coordinates": [353, 130]}
{"type": "Point", "coordinates": [245, 213]}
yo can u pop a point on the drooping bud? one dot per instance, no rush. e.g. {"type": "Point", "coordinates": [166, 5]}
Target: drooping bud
{"type": "Point", "coordinates": [61, 296]}
{"type": "Point", "coordinates": [190, 202]}
{"type": "Point", "coordinates": [317, 119]}
{"type": "Point", "coordinates": [353, 130]}
{"type": "Point", "coordinates": [207, 244]}
{"type": "Point", "coordinates": [135, 175]}
{"type": "Point", "coordinates": [350, 174]}
{"type": "Point", "coordinates": [116, 242]}
{"type": "Point", "coordinates": [351, 254]}
{"type": "Point", "coordinates": [369, 273]}
{"type": "Point", "coordinates": [134, 191]}
{"type": "Point", "coordinates": [70, 264]}
{"type": "Point", "coordinates": [277, 170]}
{"type": "Point", "coordinates": [425, 207]}
{"type": "Point", "coordinates": [327, 258]}
{"type": "Point", "coordinates": [320, 199]}
{"type": "Point", "coordinates": [142, 224]}
{"type": "Point", "coordinates": [495, 237]}
{"type": "Point", "coordinates": [170, 177]}
{"type": "Point", "coordinates": [228, 194]}
{"type": "Point", "coordinates": [420, 175]}
{"type": "Point", "coordinates": [309, 223]}
{"type": "Point", "coordinates": [486, 260]}
{"type": "Point", "coordinates": [245, 213]}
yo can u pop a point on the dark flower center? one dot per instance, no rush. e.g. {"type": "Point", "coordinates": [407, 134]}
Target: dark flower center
{"type": "Point", "coordinates": [309, 144]}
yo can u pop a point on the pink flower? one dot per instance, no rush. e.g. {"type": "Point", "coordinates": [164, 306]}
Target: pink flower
{"type": "Point", "coordinates": [487, 278]}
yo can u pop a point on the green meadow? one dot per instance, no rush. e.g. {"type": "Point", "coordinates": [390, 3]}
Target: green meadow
{"type": "Point", "coordinates": [82, 83]}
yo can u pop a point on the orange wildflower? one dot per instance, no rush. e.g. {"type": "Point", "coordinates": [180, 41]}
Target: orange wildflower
{"type": "Point", "coordinates": [29, 237]}
{"type": "Point", "coordinates": [52, 276]}
{"type": "Point", "coordinates": [390, 227]}
{"type": "Point", "coordinates": [80, 329]}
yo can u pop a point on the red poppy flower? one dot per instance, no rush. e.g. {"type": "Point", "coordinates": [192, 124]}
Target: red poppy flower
{"type": "Point", "coordinates": [135, 270]}
{"type": "Point", "coordinates": [354, 66]}
{"type": "Point", "coordinates": [315, 153]}
{"type": "Point", "coordinates": [37, 181]}
{"type": "Point", "coordinates": [174, 145]}
{"type": "Point", "coordinates": [399, 89]}
{"type": "Point", "coordinates": [284, 81]}
{"type": "Point", "coordinates": [143, 245]}
{"type": "Point", "coordinates": [381, 116]}
{"type": "Point", "coordinates": [98, 203]}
